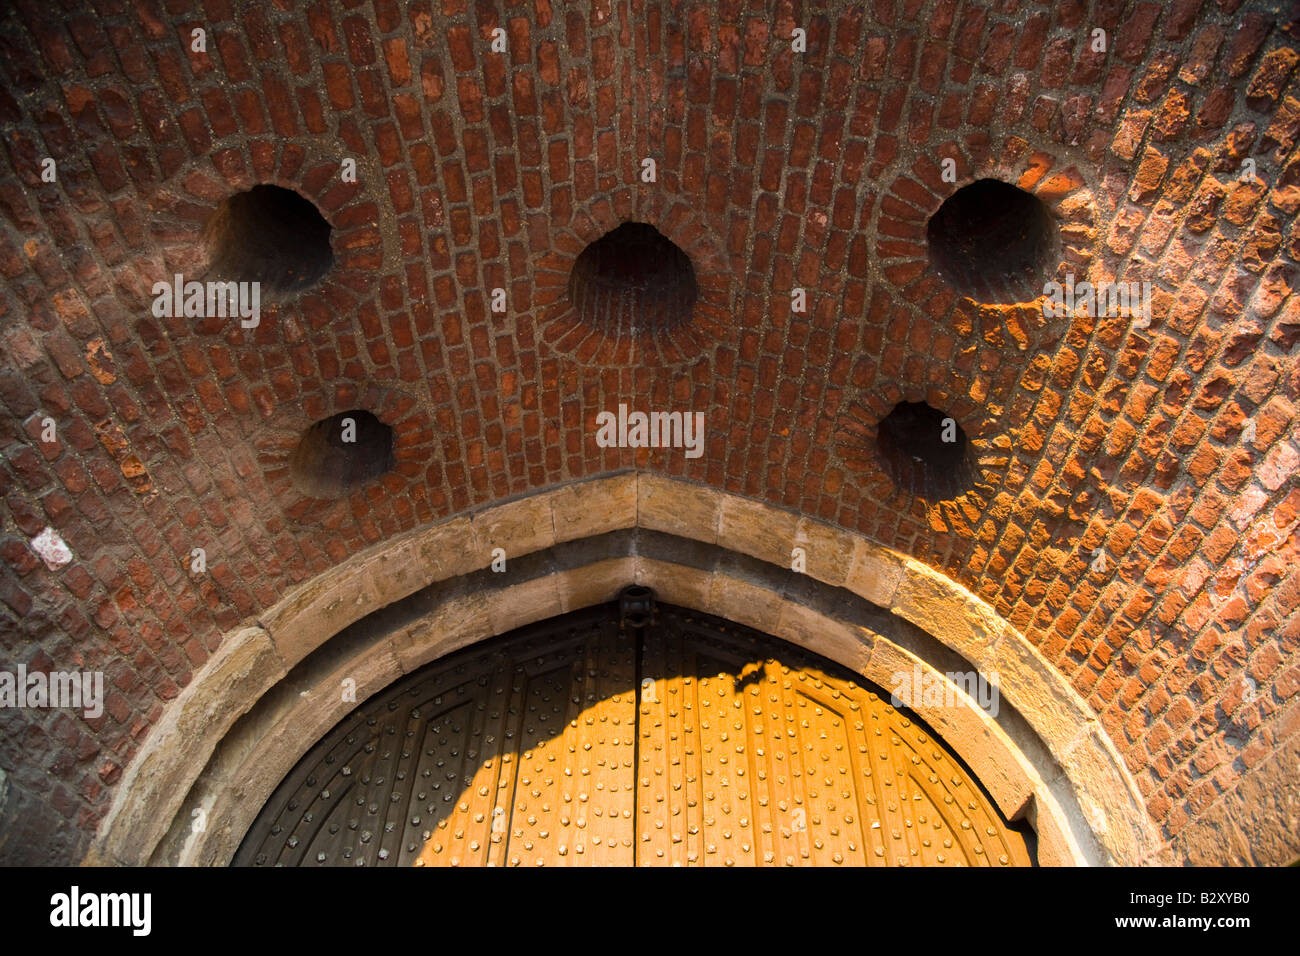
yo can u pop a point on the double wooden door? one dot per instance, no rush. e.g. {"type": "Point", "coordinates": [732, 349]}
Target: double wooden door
{"type": "Point", "coordinates": [691, 741]}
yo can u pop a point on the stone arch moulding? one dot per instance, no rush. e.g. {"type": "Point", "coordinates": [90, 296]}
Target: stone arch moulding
{"type": "Point", "coordinates": [272, 689]}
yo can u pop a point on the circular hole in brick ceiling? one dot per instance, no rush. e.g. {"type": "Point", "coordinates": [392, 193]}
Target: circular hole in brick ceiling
{"type": "Point", "coordinates": [994, 242]}
{"type": "Point", "coordinates": [633, 280]}
{"type": "Point", "coordinates": [271, 235]}
{"type": "Point", "coordinates": [925, 452]}
{"type": "Point", "coordinates": [342, 453]}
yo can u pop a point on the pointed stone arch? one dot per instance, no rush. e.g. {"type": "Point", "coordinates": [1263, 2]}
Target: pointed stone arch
{"type": "Point", "coordinates": [272, 688]}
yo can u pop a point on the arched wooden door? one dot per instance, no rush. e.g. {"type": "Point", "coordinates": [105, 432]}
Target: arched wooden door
{"type": "Point", "coordinates": [692, 741]}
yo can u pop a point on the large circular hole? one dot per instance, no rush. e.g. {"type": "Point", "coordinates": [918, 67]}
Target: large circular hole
{"type": "Point", "coordinates": [270, 235]}
{"type": "Point", "coordinates": [342, 453]}
{"type": "Point", "coordinates": [925, 452]}
{"type": "Point", "coordinates": [633, 280]}
{"type": "Point", "coordinates": [994, 242]}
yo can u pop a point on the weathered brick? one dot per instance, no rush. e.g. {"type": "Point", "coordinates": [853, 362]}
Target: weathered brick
{"type": "Point", "coordinates": [479, 170]}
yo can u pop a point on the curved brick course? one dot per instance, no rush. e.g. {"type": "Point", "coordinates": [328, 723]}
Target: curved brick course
{"type": "Point", "coordinates": [1170, 451]}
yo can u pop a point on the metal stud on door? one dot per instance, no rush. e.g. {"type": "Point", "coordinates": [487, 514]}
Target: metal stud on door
{"type": "Point", "coordinates": [668, 738]}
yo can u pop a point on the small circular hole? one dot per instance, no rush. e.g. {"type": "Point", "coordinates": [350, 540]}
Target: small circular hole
{"type": "Point", "coordinates": [994, 242]}
{"type": "Point", "coordinates": [925, 452]}
{"type": "Point", "coordinates": [342, 453]}
{"type": "Point", "coordinates": [270, 235]}
{"type": "Point", "coordinates": [633, 280]}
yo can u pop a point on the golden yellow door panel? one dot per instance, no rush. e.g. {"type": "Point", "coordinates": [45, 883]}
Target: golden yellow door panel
{"type": "Point", "coordinates": [690, 741]}
{"type": "Point", "coordinates": [754, 752]}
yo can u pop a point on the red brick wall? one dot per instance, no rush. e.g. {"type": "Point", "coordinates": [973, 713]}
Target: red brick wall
{"type": "Point", "coordinates": [775, 169]}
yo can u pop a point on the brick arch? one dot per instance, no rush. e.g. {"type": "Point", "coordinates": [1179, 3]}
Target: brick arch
{"type": "Point", "coordinates": [1170, 451]}
{"type": "Point", "coordinates": [179, 208]}
{"type": "Point", "coordinates": [414, 450]}
{"type": "Point", "coordinates": [857, 432]}
{"type": "Point", "coordinates": [915, 194]}
{"type": "Point", "coordinates": [1054, 765]}
{"type": "Point", "coordinates": [923, 340]}
{"type": "Point", "coordinates": [561, 330]}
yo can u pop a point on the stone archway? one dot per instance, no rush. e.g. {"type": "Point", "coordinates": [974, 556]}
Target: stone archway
{"type": "Point", "coordinates": [271, 691]}
{"type": "Point", "coordinates": [603, 739]}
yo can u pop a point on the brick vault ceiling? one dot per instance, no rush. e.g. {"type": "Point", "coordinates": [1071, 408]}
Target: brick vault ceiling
{"type": "Point", "coordinates": [1169, 449]}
